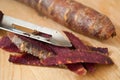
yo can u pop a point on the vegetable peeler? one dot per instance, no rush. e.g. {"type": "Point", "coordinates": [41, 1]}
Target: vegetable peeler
{"type": "Point", "coordinates": [10, 24]}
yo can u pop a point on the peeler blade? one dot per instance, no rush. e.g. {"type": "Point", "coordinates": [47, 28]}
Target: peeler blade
{"type": "Point", "coordinates": [57, 39]}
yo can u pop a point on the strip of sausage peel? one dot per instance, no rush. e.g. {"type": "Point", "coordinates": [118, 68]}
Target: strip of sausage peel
{"type": "Point", "coordinates": [77, 67]}
{"type": "Point", "coordinates": [75, 56]}
{"type": "Point", "coordinates": [22, 59]}
{"type": "Point", "coordinates": [28, 59]}
{"type": "Point", "coordinates": [6, 44]}
{"type": "Point", "coordinates": [78, 44]}
{"type": "Point", "coordinates": [64, 55]}
{"type": "Point", "coordinates": [36, 48]}
{"type": "Point", "coordinates": [75, 16]}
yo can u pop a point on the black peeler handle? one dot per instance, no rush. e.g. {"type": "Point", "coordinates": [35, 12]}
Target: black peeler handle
{"type": "Point", "coordinates": [1, 16]}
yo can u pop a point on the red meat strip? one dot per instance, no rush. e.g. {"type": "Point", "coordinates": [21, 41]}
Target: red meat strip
{"type": "Point", "coordinates": [26, 59]}
{"type": "Point", "coordinates": [63, 55]}
{"type": "Point", "coordinates": [75, 56]}
{"type": "Point", "coordinates": [4, 41]}
{"type": "Point", "coordinates": [90, 67]}
{"type": "Point", "coordinates": [64, 50]}
{"type": "Point", "coordinates": [77, 43]}
{"type": "Point", "coordinates": [99, 49]}
{"type": "Point", "coordinates": [77, 68]}
{"type": "Point", "coordinates": [29, 59]}
{"type": "Point", "coordinates": [37, 48]}
{"type": "Point", "coordinates": [6, 44]}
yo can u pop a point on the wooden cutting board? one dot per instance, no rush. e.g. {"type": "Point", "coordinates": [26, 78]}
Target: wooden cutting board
{"type": "Point", "coordinates": [9, 71]}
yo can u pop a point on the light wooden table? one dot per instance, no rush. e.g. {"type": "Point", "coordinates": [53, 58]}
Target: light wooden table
{"type": "Point", "coordinates": [9, 71]}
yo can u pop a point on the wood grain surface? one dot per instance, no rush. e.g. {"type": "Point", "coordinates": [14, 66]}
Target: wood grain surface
{"type": "Point", "coordinates": [9, 71]}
